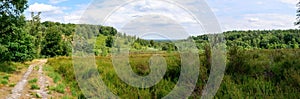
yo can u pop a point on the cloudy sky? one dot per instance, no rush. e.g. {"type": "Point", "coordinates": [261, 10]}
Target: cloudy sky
{"type": "Point", "coordinates": [231, 14]}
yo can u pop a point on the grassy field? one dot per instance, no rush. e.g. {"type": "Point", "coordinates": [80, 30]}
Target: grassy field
{"type": "Point", "coordinates": [249, 74]}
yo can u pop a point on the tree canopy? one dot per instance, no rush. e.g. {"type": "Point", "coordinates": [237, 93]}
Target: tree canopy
{"type": "Point", "coordinates": [15, 43]}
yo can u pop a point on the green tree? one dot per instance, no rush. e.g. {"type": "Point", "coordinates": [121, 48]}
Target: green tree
{"type": "Point", "coordinates": [53, 44]}
{"type": "Point", "coordinates": [100, 45]}
{"type": "Point", "coordinates": [152, 43]}
{"type": "Point", "coordinates": [15, 43]}
{"type": "Point", "coordinates": [108, 31]}
{"type": "Point", "coordinates": [36, 32]}
{"type": "Point", "coordinates": [109, 41]}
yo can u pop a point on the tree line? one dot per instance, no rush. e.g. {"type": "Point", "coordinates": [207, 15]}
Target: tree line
{"type": "Point", "coordinates": [258, 39]}
{"type": "Point", "coordinates": [24, 40]}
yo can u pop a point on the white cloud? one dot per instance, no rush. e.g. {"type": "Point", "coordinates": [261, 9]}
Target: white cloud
{"type": "Point", "coordinates": [293, 2]}
{"type": "Point", "coordinates": [258, 22]}
{"type": "Point", "coordinates": [73, 17]}
{"type": "Point", "coordinates": [129, 12]}
{"type": "Point", "coordinates": [253, 19]}
{"type": "Point", "coordinates": [37, 7]}
{"type": "Point", "coordinates": [56, 1]}
{"type": "Point", "coordinates": [231, 15]}
{"type": "Point", "coordinates": [51, 13]}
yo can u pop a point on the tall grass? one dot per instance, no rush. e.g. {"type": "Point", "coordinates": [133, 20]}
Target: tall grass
{"type": "Point", "coordinates": [249, 74]}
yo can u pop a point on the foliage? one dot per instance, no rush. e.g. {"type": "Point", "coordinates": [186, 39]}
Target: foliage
{"type": "Point", "coordinates": [109, 41]}
{"type": "Point", "coordinates": [258, 39]}
{"type": "Point", "coordinates": [15, 43]}
{"type": "Point", "coordinates": [35, 29]}
{"type": "Point", "coordinates": [108, 31]}
{"type": "Point", "coordinates": [57, 41]}
{"type": "Point", "coordinates": [261, 63]}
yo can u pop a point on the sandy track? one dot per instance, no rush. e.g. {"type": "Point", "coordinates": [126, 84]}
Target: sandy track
{"type": "Point", "coordinates": [42, 82]}
{"type": "Point", "coordinates": [18, 89]}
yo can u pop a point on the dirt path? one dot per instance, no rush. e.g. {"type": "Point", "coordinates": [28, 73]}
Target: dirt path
{"type": "Point", "coordinates": [42, 82]}
{"type": "Point", "coordinates": [19, 88]}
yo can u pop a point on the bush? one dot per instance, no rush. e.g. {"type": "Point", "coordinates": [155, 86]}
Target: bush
{"type": "Point", "coordinates": [237, 62]}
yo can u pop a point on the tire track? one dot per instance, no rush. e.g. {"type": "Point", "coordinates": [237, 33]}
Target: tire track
{"type": "Point", "coordinates": [42, 82]}
{"type": "Point", "coordinates": [17, 90]}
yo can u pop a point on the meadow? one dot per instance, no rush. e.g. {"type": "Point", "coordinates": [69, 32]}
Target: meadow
{"type": "Point", "coordinates": [249, 74]}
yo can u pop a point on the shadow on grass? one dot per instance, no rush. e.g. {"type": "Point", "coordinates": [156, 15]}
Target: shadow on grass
{"type": "Point", "coordinates": [8, 67]}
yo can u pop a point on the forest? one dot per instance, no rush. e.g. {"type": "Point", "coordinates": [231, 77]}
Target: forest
{"type": "Point", "coordinates": [260, 63]}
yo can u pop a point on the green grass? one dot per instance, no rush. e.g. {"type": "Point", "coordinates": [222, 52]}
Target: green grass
{"type": "Point", "coordinates": [12, 85]}
{"type": "Point", "coordinates": [36, 68]}
{"type": "Point", "coordinates": [10, 67]}
{"type": "Point", "coordinates": [67, 97]}
{"type": "Point", "coordinates": [55, 76]}
{"type": "Point", "coordinates": [6, 77]}
{"type": "Point", "coordinates": [4, 81]}
{"type": "Point", "coordinates": [51, 73]}
{"type": "Point", "coordinates": [7, 69]}
{"type": "Point", "coordinates": [249, 74]}
{"type": "Point", "coordinates": [33, 80]}
{"type": "Point", "coordinates": [34, 86]}
{"type": "Point", "coordinates": [59, 88]}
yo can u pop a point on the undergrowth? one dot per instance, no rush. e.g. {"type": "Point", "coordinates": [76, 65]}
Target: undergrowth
{"type": "Point", "coordinates": [249, 74]}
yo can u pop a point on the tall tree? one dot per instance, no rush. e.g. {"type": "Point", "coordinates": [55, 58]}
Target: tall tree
{"type": "Point", "coordinates": [15, 43]}
{"type": "Point", "coordinates": [53, 42]}
{"type": "Point", "coordinates": [36, 31]}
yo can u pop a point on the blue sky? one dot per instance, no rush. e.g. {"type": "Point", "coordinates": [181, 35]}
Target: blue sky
{"type": "Point", "coordinates": [231, 14]}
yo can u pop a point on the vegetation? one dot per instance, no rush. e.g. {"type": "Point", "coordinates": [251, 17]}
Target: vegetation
{"type": "Point", "coordinates": [15, 43]}
{"type": "Point", "coordinates": [57, 40]}
{"type": "Point", "coordinates": [59, 88]}
{"type": "Point", "coordinates": [260, 63]}
{"type": "Point", "coordinates": [33, 80]}
{"type": "Point", "coordinates": [63, 75]}
{"type": "Point", "coordinates": [34, 86]}
{"type": "Point", "coordinates": [249, 73]}
{"type": "Point", "coordinates": [23, 40]}
{"type": "Point", "coordinates": [258, 39]}
{"type": "Point", "coordinates": [7, 69]}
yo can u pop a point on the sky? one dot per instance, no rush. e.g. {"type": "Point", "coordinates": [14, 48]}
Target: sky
{"type": "Point", "coordinates": [230, 14]}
